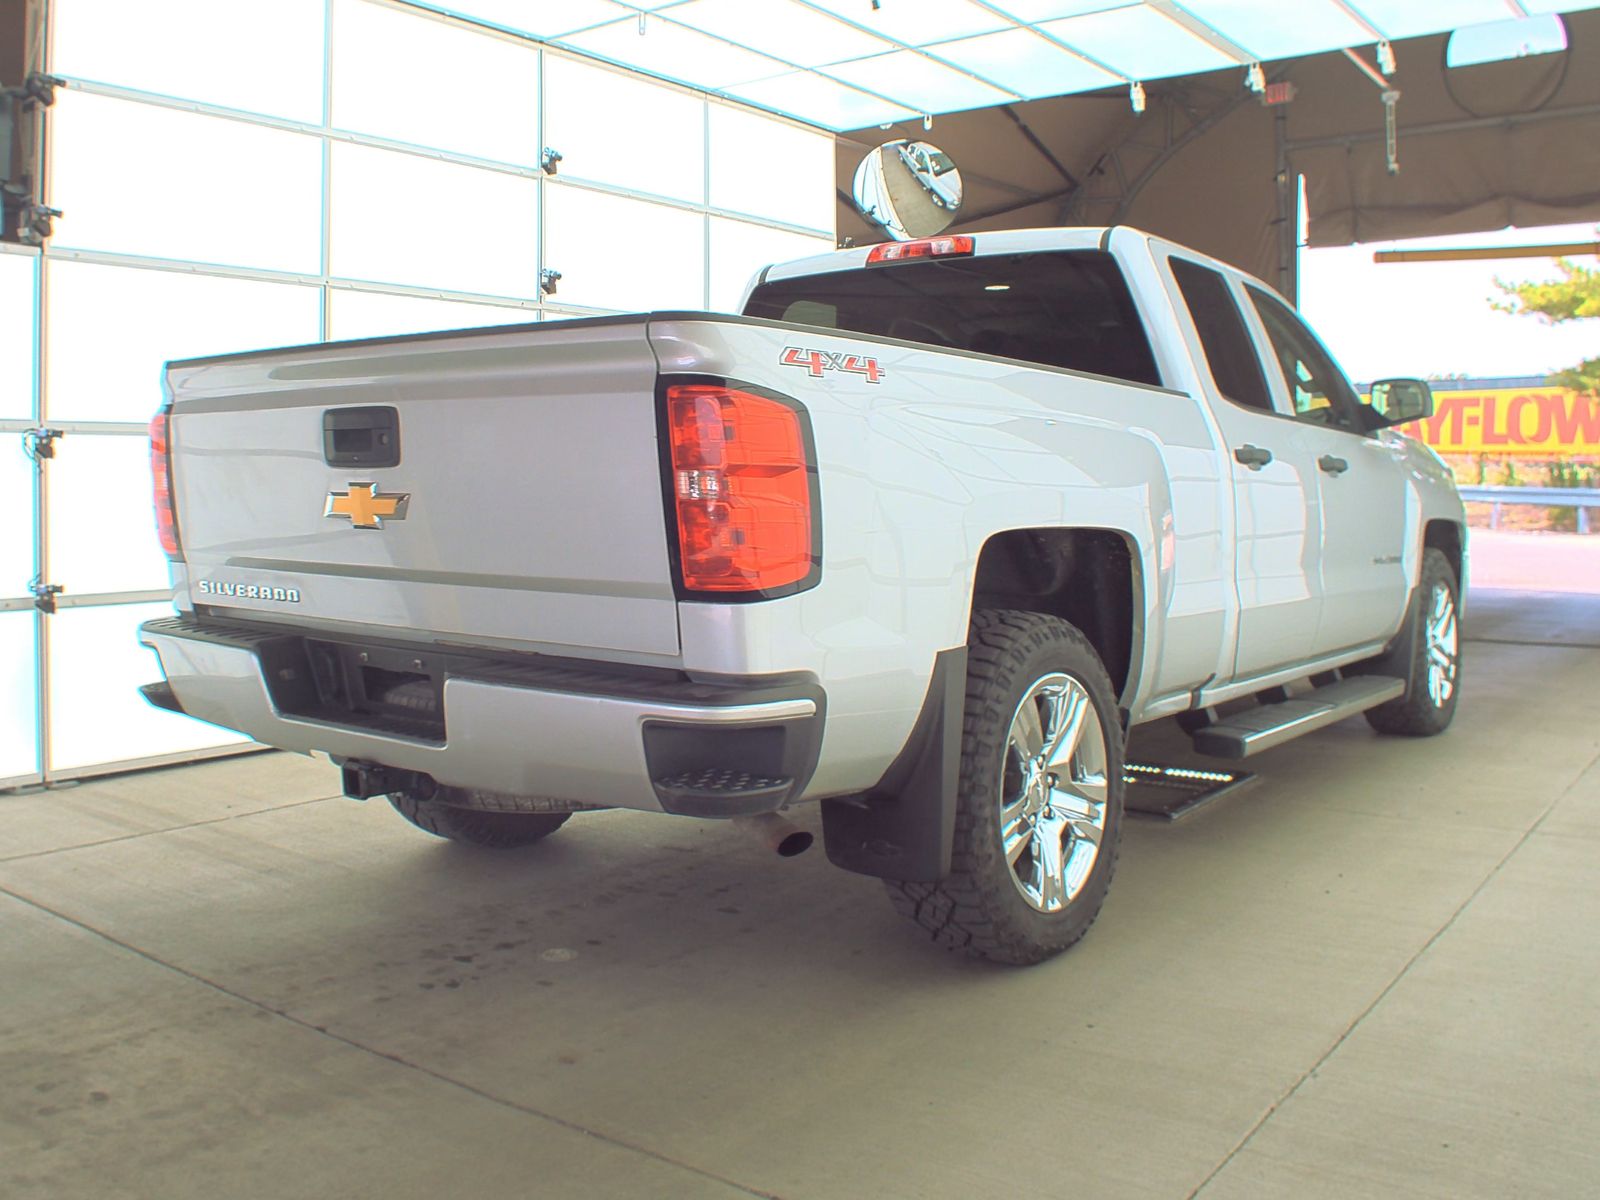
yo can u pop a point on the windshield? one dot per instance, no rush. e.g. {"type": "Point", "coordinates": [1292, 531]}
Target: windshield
{"type": "Point", "coordinates": [1064, 308]}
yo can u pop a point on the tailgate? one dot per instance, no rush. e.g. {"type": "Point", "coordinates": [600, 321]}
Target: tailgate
{"type": "Point", "coordinates": [526, 505]}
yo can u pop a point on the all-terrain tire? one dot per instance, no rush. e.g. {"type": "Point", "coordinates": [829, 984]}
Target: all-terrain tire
{"type": "Point", "coordinates": [475, 827]}
{"type": "Point", "coordinates": [983, 906]}
{"type": "Point", "coordinates": [1429, 704]}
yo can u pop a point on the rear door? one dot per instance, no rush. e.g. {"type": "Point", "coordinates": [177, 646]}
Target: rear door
{"type": "Point", "coordinates": [522, 506]}
{"type": "Point", "coordinates": [1277, 507]}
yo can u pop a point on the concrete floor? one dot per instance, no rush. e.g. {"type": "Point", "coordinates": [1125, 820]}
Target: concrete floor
{"type": "Point", "coordinates": [1372, 974]}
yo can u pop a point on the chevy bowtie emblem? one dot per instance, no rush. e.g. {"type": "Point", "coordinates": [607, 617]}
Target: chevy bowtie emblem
{"type": "Point", "coordinates": [365, 507]}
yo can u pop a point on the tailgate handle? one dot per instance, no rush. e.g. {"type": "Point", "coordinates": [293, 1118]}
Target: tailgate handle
{"type": "Point", "coordinates": [361, 437]}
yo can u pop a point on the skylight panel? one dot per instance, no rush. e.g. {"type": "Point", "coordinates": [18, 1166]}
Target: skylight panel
{"type": "Point", "coordinates": [784, 29]}
{"type": "Point", "coordinates": [1139, 42]}
{"type": "Point", "coordinates": [917, 22]}
{"type": "Point", "coordinates": [1274, 31]}
{"type": "Point", "coordinates": [918, 81]}
{"type": "Point", "coordinates": [822, 101]}
{"type": "Point", "coordinates": [674, 52]}
{"type": "Point", "coordinates": [1026, 63]}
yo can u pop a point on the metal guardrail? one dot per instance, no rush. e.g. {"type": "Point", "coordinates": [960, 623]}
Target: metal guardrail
{"type": "Point", "coordinates": [1582, 499]}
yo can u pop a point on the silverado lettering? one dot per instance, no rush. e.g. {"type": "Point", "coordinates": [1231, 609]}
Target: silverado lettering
{"type": "Point", "coordinates": [248, 591]}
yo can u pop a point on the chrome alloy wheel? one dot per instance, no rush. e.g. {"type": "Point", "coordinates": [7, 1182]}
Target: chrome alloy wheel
{"type": "Point", "coordinates": [1053, 792]}
{"type": "Point", "coordinates": [1442, 648]}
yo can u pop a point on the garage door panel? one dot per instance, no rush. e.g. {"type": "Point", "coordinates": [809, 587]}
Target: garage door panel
{"type": "Point", "coordinates": [100, 523]}
{"type": "Point", "coordinates": [19, 699]}
{"type": "Point", "coordinates": [17, 313]}
{"type": "Point", "coordinates": [97, 715]}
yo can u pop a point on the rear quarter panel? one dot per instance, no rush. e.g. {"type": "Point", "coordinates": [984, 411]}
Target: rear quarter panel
{"type": "Point", "coordinates": [917, 471]}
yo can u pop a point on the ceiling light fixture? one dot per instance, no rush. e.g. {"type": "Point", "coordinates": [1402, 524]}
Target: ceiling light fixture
{"type": "Point", "coordinates": [1136, 96]}
{"type": "Point", "coordinates": [1386, 62]}
{"type": "Point", "coordinates": [1256, 79]}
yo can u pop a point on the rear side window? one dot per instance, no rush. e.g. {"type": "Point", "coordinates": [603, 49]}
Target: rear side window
{"type": "Point", "coordinates": [1229, 352]}
{"type": "Point", "coordinates": [1066, 308]}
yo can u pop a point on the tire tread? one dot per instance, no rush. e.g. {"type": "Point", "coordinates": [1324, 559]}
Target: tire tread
{"type": "Point", "coordinates": [494, 830]}
{"type": "Point", "coordinates": [967, 910]}
{"type": "Point", "coordinates": [1414, 714]}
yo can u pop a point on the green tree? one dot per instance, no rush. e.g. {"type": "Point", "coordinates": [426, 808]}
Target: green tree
{"type": "Point", "coordinates": [1574, 297]}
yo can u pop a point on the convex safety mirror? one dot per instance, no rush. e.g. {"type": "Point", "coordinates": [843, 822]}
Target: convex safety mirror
{"type": "Point", "coordinates": [1398, 401]}
{"type": "Point", "coordinates": [910, 189]}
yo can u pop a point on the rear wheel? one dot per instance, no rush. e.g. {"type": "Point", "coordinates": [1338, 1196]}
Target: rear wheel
{"type": "Point", "coordinates": [476, 827]}
{"type": "Point", "coordinates": [1430, 704]}
{"type": "Point", "coordinates": [1039, 814]}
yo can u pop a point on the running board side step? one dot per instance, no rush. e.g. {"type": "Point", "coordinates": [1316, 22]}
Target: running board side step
{"type": "Point", "coordinates": [1268, 725]}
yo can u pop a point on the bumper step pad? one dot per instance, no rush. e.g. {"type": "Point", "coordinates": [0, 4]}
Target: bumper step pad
{"type": "Point", "coordinates": [721, 791]}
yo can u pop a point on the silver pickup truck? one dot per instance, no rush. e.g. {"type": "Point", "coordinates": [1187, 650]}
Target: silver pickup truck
{"type": "Point", "coordinates": [920, 535]}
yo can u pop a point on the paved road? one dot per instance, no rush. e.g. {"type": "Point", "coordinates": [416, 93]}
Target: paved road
{"type": "Point", "coordinates": [1373, 974]}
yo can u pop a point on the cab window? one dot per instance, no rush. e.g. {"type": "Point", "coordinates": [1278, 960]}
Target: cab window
{"type": "Point", "coordinates": [1065, 308]}
{"type": "Point", "coordinates": [1235, 369]}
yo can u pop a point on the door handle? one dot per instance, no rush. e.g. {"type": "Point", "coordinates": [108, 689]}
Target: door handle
{"type": "Point", "coordinates": [1254, 457]}
{"type": "Point", "coordinates": [1332, 465]}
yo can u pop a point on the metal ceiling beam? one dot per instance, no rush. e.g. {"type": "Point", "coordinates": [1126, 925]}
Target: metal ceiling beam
{"type": "Point", "coordinates": [1466, 253]}
{"type": "Point", "coordinates": [1360, 18]}
{"type": "Point", "coordinates": [1177, 119]}
{"type": "Point", "coordinates": [1206, 32]}
{"type": "Point", "coordinates": [1366, 68]}
{"type": "Point", "coordinates": [1044, 151]}
{"type": "Point", "coordinates": [896, 44]}
{"type": "Point", "coordinates": [1509, 122]}
{"type": "Point", "coordinates": [1080, 55]}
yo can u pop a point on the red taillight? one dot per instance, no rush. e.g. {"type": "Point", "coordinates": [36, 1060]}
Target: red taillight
{"type": "Point", "coordinates": [934, 247]}
{"type": "Point", "coordinates": [743, 489]}
{"type": "Point", "coordinates": [161, 479]}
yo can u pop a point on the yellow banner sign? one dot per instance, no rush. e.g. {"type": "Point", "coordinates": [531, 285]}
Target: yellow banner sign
{"type": "Point", "coordinates": [1538, 422]}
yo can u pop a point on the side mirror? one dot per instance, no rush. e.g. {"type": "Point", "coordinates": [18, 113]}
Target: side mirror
{"type": "Point", "coordinates": [1399, 401]}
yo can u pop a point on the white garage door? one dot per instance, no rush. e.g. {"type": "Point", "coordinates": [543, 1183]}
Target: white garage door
{"type": "Point", "coordinates": [271, 172]}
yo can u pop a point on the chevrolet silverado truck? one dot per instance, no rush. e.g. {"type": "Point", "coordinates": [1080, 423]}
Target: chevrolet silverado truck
{"type": "Point", "coordinates": [919, 536]}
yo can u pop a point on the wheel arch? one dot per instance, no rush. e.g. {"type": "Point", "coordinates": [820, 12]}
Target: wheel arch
{"type": "Point", "coordinates": [1092, 578]}
{"type": "Point", "coordinates": [1447, 537]}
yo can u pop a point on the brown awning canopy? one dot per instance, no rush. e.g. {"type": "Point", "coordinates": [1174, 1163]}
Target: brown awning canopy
{"type": "Point", "coordinates": [1480, 147]}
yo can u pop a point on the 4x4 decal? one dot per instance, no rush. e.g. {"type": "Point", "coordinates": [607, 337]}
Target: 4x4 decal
{"type": "Point", "coordinates": [817, 361]}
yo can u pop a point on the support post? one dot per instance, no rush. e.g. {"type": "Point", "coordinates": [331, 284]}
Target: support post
{"type": "Point", "coordinates": [1288, 219]}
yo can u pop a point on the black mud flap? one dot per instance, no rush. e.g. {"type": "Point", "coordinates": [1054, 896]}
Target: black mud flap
{"type": "Point", "coordinates": [904, 828]}
{"type": "Point", "coordinates": [1399, 658]}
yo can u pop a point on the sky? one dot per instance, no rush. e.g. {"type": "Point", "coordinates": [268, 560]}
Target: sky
{"type": "Point", "coordinates": [1434, 319]}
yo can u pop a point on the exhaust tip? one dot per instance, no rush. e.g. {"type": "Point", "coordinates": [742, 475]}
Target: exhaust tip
{"type": "Point", "coordinates": [776, 834]}
{"type": "Point", "coordinates": [795, 843]}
